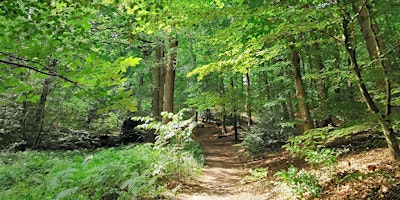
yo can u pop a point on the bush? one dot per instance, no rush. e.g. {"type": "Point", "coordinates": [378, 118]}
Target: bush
{"type": "Point", "coordinates": [300, 181]}
{"type": "Point", "coordinates": [271, 133]}
{"type": "Point", "coordinates": [124, 173]}
{"type": "Point", "coordinates": [131, 172]}
{"type": "Point", "coordinates": [256, 175]}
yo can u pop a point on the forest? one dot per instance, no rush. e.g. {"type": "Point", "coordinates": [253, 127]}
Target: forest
{"type": "Point", "coordinates": [199, 99]}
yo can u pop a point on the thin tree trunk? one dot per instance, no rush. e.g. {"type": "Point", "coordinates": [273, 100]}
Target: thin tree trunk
{"type": "Point", "coordinates": [248, 97]}
{"type": "Point", "coordinates": [162, 86]}
{"type": "Point", "coordinates": [170, 80]}
{"type": "Point", "coordinates": [301, 93]}
{"type": "Point", "coordinates": [337, 66]}
{"type": "Point", "coordinates": [138, 94]}
{"type": "Point", "coordinates": [222, 93]}
{"type": "Point", "coordinates": [351, 52]}
{"type": "Point", "coordinates": [390, 136]}
{"type": "Point", "coordinates": [387, 68]}
{"type": "Point", "coordinates": [157, 83]}
{"type": "Point", "coordinates": [319, 64]}
{"type": "Point", "coordinates": [37, 126]}
{"type": "Point", "coordinates": [235, 115]}
{"type": "Point", "coordinates": [289, 105]}
{"type": "Point", "coordinates": [374, 44]}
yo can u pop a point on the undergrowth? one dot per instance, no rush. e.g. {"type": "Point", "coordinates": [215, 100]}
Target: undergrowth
{"type": "Point", "coordinates": [118, 173]}
{"type": "Point", "coordinates": [131, 172]}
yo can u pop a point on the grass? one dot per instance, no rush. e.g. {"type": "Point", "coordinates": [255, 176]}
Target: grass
{"type": "Point", "coordinates": [130, 172]}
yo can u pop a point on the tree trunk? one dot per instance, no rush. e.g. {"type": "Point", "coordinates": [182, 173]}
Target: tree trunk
{"type": "Point", "coordinates": [301, 93]}
{"type": "Point", "coordinates": [222, 93]}
{"type": "Point", "coordinates": [390, 136]}
{"type": "Point", "coordinates": [157, 83]}
{"type": "Point", "coordinates": [170, 80]}
{"type": "Point", "coordinates": [139, 94]}
{"type": "Point", "coordinates": [248, 97]}
{"type": "Point", "coordinates": [387, 68]}
{"type": "Point", "coordinates": [37, 126]}
{"type": "Point", "coordinates": [289, 105]}
{"type": "Point", "coordinates": [319, 64]}
{"type": "Point", "coordinates": [162, 85]}
{"type": "Point", "coordinates": [235, 115]}
{"type": "Point", "coordinates": [374, 44]}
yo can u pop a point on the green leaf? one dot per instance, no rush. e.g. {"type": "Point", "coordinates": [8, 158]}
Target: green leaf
{"type": "Point", "coordinates": [129, 62]}
{"type": "Point", "coordinates": [132, 107]}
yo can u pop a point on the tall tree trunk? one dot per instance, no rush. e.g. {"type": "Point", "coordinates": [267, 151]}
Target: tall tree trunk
{"type": "Point", "coordinates": [139, 96]}
{"type": "Point", "coordinates": [289, 105]}
{"type": "Point", "coordinates": [390, 136]}
{"type": "Point", "coordinates": [235, 115]}
{"type": "Point", "coordinates": [157, 82]}
{"type": "Point", "coordinates": [37, 126]}
{"type": "Point", "coordinates": [387, 68]}
{"type": "Point", "coordinates": [322, 89]}
{"type": "Point", "coordinates": [319, 64]}
{"type": "Point", "coordinates": [170, 80]}
{"type": "Point", "coordinates": [222, 94]}
{"type": "Point", "coordinates": [248, 96]}
{"type": "Point", "coordinates": [301, 93]}
{"type": "Point", "coordinates": [337, 64]}
{"type": "Point", "coordinates": [374, 44]}
{"type": "Point", "coordinates": [162, 84]}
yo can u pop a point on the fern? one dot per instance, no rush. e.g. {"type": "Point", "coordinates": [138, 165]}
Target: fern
{"type": "Point", "coordinates": [66, 193]}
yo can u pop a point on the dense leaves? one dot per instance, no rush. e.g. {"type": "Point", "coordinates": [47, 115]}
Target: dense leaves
{"type": "Point", "coordinates": [116, 173]}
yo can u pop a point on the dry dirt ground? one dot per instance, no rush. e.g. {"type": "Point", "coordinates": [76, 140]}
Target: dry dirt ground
{"type": "Point", "coordinates": [364, 174]}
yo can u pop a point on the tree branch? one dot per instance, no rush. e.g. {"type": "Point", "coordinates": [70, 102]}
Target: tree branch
{"type": "Point", "coordinates": [39, 71]}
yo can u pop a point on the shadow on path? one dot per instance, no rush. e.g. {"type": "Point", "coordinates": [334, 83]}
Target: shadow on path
{"type": "Point", "coordinates": [221, 177]}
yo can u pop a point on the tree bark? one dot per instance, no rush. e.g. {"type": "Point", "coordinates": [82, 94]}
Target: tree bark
{"type": "Point", "coordinates": [301, 93]}
{"type": "Point", "coordinates": [157, 82]}
{"type": "Point", "coordinates": [289, 105]}
{"type": "Point", "coordinates": [235, 115]}
{"type": "Point", "coordinates": [248, 97]}
{"type": "Point", "coordinates": [319, 64]}
{"type": "Point", "coordinates": [37, 126]}
{"type": "Point", "coordinates": [390, 136]}
{"type": "Point", "coordinates": [387, 68]}
{"type": "Point", "coordinates": [222, 93]}
{"type": "Point", "coordinates": [170, 80]}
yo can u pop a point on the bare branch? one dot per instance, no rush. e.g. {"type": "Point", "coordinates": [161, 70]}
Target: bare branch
{"type": "Point", "coordinates": [39, 71]}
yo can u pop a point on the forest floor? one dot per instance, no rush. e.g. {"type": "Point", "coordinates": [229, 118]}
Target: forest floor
{"type": "Point", "coordinates": [362, 174]}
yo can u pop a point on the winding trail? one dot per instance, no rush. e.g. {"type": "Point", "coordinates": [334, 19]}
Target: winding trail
{"type": "Point", "coordinates": [220, 179]}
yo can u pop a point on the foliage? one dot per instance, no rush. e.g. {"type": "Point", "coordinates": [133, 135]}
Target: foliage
{"type": "Point", "coordinates": [177, 132]}
{"type": "Point", "coordinates": [129, 172]}
{"type": "Point", "coordinates": [300, 181]}
{"type": "Point", "coordinates": [271, 133]}
{"type": "Point", "coordinates": [256, 175]}
{"type": "Point", "coordinates": [176, 137]}
{"type": "Point", "coordinates": [311, 144]}
{"type": "Point", "coordinates": [106, 123]}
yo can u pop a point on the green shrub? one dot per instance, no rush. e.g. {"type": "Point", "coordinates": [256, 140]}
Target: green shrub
{"type": "Point", "coordinates": [300, 182]}
{"type": "Point", "coordinates": [130, 172]}
{"type": "Point", "coordinates": [258, 174]}
{"type": "Point", "coordinates": [271, 133]}
{"type": "Point", "coordinates": [310, 146]}
{"type": "Point", "coordinates": [124, 173]}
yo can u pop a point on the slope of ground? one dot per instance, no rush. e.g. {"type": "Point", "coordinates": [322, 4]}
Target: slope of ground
{"type": "Point", "coordinates": [364, 174]}
{"type": "Point", "coordinates": [224, 170]}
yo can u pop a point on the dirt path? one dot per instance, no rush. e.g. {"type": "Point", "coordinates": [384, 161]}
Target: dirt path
{"type": "Point", "coordinates": [376, 176]}
{"type": "Point", "coordinates": [220, 179]}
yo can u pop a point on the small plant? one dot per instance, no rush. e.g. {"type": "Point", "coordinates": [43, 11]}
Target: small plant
{"type": "Point", "coordinates": [300, 181]}
{"type": "Point", "coordinates": [256, 175]}
{"type": "Point", "coordinates": [130, 172]}
{"type": "Point", "coordinates": [177, 131]}
{"type": "Point", "coordinates": [271, 133]}
{"type": "Point", "coordinates": [310, 146]}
